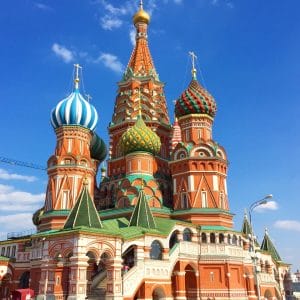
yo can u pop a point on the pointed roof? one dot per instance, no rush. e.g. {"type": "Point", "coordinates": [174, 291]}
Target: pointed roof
{"type": "Point", "coordinates": [246, 227]}
{"type": "Point", "coordinates": [268, 246]}
{"type": "Point", "coordinates": [141, 63]}
{"type": "Point", "coordinates": [84, 213]}
{"type": "Point", "coordinates": [142, 215]}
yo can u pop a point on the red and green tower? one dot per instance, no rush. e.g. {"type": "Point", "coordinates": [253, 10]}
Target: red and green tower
{"type": "Point", "coordinates": [198, 163]}
{"type": "Point", "coordinates": [139, 90]}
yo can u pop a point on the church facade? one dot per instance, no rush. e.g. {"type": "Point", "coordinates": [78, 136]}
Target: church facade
{"type": "Point", "coordinates": [158, 225]}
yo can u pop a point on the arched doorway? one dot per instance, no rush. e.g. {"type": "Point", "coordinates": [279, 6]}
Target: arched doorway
{"type": "Point", "coordinates": [268, 295]}
{"type": "Point", "coordinates": [173, 239]}
{"type": "Point", "coordinates": [158, 294]}
{"type": "Point", "coordinates": [24, 280]}
{"type": "Point", "coordinates": [190, 283]}
{"type": "Point", "coordinates": [98, 281]}
{"type": "Point", "coordinates": [129, 258]}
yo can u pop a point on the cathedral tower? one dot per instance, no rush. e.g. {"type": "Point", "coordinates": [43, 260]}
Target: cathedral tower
{"type": "Point", "coordinates": [199, 164]}
{"type": "Point", "coordinates": [140, 86]}
{"type": "Point", "coordinates": [77, 156]}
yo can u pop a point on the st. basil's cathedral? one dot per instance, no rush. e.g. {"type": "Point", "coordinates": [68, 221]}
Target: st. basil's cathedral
{"type": "Point", "coordinates": [158, 225]}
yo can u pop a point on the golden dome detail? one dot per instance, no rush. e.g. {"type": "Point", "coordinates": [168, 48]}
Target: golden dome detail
{"type": "Point", "coordinates": [141, 16]}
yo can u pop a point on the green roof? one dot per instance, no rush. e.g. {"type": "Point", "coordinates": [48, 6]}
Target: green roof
{"type": "Point", "coordinates": [3, 258]}
{"type": "Point", "coordinates": [142, 216]}
{"type": "Point", "coordinates": [268, 246]}
{"type": "Point", "coordinates": [84, 213]}
{"type": "Point", "coordinates": [215, 228]}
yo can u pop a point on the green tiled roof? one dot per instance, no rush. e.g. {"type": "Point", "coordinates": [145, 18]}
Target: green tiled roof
{"type": "Point", "coordinates": [215, 228]}
{"type": "Point", "coordinates": [142, 216]}
{"type": "Point", "coordinates": [3, 258]}
{"type": "Point", "coordinates": [84, 213]}
{"type": "Point", "coordinates": [268, 246]}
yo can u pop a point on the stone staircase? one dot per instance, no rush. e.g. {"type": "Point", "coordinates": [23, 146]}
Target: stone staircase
{"type": "Point", "coordinates": [98, 287]}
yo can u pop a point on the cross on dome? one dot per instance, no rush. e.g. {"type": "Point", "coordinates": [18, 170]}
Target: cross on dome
{"type": "Point", "coordinates": [77, 80]}
{"type": "Point", "coordinates": [193, 57]}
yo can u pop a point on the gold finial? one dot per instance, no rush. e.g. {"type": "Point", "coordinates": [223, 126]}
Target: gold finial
{"type": "Point", "coordinates": [142, 185]}
{"type": "Point", "coordinates": [85, 181]}
{"type": "Point", "coordinates": [193, 57]}
{"type": "Point", "coordinates": [141, 15]}
{"type": "Point", "coordinates": [76, 80]}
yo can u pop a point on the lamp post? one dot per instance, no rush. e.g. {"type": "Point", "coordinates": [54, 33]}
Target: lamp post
{"type": "Point", "coordinates": [254, 255]}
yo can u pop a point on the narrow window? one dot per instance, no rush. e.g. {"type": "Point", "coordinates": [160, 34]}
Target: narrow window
{"type": "Point", "coordinates": [65, 200]}
{"type": "Point", "coordinates": [204, 198]}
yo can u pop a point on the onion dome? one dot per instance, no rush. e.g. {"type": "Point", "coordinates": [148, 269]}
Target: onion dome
{"type": "Point", "coordinates": [141, 15]}
{"type": "Point", "coordinates": [140, 138]}
{"type": "Point", "coordinates": [98, 148]}
{"type": "Point", "coordinates": [195, 99]}
{"type": "Point", "coordinates": [74, 110]}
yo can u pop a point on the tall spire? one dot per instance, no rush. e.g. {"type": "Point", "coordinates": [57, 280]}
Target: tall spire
{"type": "Point", "coordinates": [77, 80]}
{"type": "Point", "coordinates": [194, 70]}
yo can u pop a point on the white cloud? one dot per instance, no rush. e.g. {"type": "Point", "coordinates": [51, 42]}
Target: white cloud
{"type": "Point", "coordinates": [288, 225]}
{"type": "Point", "coordinates": [110, 22]}
{"type": "Point", "coordinates": [132, 34]}
{"type": "Point", "coordinates": [12, 176]}
{"type": "Point", "coordinates": [61, 51]}
{"type": "Point", "coordinates": [178, 1]}
{"type": "Point", "coordinates": [270, 205]}
{"type": "Point", "coordinates": [15, 223]}
{"type": "Point", "coordinates": [14, 200]}
{"type": "Point", "coordinates": [110, 61]}
{"type": "Point", "coordinates": [111, 19]}
{"type": "Point", "coordinates": [42, 6]}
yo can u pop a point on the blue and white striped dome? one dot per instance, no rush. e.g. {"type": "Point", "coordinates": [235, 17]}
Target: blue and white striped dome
{"type": "Point", "coordinates": [74, 110]}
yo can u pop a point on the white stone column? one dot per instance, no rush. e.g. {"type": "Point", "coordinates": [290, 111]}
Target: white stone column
{"type": "Point", "coordinates": [78, 280]}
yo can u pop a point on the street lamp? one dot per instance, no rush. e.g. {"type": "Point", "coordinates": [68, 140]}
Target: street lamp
{"type": "Point", "coordinates": [254, 255]}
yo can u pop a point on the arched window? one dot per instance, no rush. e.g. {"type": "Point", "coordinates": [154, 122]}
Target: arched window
{"type": "Point", "coordinates": [234, 240]}
{"type": "Point", "coordinates": [221, 238]}
{"type": "Point", "coordinates": [156, 250]}
{"type": "Point", "coordinates": [229, 239]}
{"type": "Point", "coordinates": [173, 239]}
{"type": "Point", "coordinates": [187, 235]}
{"type": "Point", "coordinates": [203, 237]}
{"type": "Point", "coordinates": [212, 238]}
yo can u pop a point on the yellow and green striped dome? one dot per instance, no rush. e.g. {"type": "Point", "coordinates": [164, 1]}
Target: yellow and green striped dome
{"type": "Point", "coordinates": [139, 138]}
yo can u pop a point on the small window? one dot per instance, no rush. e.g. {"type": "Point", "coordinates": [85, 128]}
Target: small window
{"type": "Point", "coordinates": [211, 276]}
{"type": "Point", "coordinates": [204, 199]}
{"type": "Point", "coordinates": [221, 238]}
{"type": "Point", "coordinates": [203, 237]}
{"type": "Point", "coordinates": [65, 200]}
{"type": "Point", "coordinates": [187, 235]}
{"type": "Point", "coordinates": [212, 238]}
{"type": "Point", "coordinates": [234, 240]}
{"type": "Point", "coordinates": [13, 251]}
{"type": "Point", "coordinates": [229, 239]}
{"type": "Point", "coordinates": [8, 251]}
{"type": "Point", "coordinates": [184, 201]}
{"type": "Point", "coordinates": [156, 250]}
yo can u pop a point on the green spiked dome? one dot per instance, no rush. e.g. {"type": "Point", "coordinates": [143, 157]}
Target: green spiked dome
{"type": "Point", "coordinates": [195, 100]}
{"type": "Point", "coordinates": [98, 148]}
{"type": "Point", "coordinates": [140, 138]}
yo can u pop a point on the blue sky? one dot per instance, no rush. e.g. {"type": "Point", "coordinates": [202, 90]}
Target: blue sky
{"type": "Point", "coordinates": [248, 53]}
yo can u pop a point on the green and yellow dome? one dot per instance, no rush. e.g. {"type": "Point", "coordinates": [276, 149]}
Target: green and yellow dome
{"type": "Point", "coordinates": [139, 138]}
